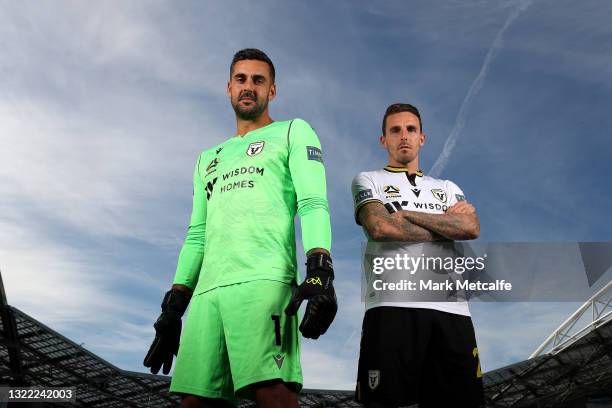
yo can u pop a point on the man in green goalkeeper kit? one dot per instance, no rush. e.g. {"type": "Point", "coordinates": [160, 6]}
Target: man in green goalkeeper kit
{"type": "Point", "coordinates": [238, 264]}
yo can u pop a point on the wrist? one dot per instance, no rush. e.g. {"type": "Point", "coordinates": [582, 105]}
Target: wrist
{"type": "Point", "coordinates": [175, 303]}
{"type": "Point", "coordinates": [317, 250]}
{"type": "Point", "coordinates": [317, 262]}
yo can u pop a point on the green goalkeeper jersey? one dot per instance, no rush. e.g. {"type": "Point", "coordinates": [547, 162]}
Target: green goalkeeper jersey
{"type": "Point", "coordinates": [246, 193]}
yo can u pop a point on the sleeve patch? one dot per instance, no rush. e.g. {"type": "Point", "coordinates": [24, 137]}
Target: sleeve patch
{"type": "Point", "coordinates": [363, 195]}
{"type": "Point", "coordinates": [314, 153]}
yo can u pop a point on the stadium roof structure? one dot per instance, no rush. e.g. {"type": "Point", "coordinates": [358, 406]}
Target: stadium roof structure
{"type": "Point", "coordinates": [578, 363]}
{"type": "Point", "coordinates": [32, 354]}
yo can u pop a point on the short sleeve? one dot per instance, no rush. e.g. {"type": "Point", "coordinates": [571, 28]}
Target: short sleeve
{"type": "Point", "coordinates": [455, 194]}
{"type": "Point", "coordinates": [364, 191]}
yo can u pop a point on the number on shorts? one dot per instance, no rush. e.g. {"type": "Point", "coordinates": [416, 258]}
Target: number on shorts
{"type": "Point", "coordinates": [475, 354]}
{"type": "Point", "coordinates": [277, 333]}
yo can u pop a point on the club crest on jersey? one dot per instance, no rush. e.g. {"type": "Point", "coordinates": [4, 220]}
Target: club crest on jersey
{"type": "Point", "coordinates": [255, 148]}
{"type": "Point", "coordinates": [392, 191]}
{"type": "Point", "coordinates": [373, 379]}
{"type": "Point", "coordinates": [439, 194]}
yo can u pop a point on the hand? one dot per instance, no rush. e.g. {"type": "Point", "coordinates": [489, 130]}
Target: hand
{"type": "Point", "coordinates": [167, 332]}
{"type": "Point", "coordinates": [318, 289]}
{"type": "Point", "coordinates": [461, 207]}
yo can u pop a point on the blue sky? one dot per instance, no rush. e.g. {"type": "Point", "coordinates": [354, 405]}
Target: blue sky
{"type": "Point", "coordinates": [104, 109]}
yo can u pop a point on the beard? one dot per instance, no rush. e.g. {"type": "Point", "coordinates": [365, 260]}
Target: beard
{"type": "Point", "coordinates": [404, 159]}
{"type": "Point", "coordinates": [251, 112]}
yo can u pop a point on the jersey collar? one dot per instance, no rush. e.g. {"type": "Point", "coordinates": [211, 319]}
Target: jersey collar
{"type": "Point", "coordinates": [394, 169]}
{"type": "Point", "coordinates": [411, 177]}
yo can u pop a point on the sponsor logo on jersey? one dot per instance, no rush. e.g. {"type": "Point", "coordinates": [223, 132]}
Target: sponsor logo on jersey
{"type": "Point", "coordinates": [237, 185]}
{"type": "Point", "coordinates": [278, 359]}
{"type": "Point", "coordinates": [416, 192]}
{"type": "Point", "coordinates": [209, 188]}
{"type": "Point", "coordinates": [460, 197]}
{"type": "Point", "coordinates": [439, 194]}
{"type": "Point", "coordinates": [363, 195]}
{"type": "Point", "coordinates": [212, 166]}
{"type": "Point", "coordinates": [255, 148]}
{"type": "Point", "coordinates": [431, 206]}
{"type": "Point", "coordinates": [314, 281]}
{"type": "Point", "coordinates": [373, 379]}
{"type": "Point", "coordinates": [243, 170]}
{"type": "Point", "coordinates": [314, 153]}
{"type": "Point", "coordinates": [218, 150]}
{"type": "Point", "coordinates": [392, 191]}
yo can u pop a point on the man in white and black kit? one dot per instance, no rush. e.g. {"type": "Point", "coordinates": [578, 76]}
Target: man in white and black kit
{"type": "Point", "coordinates": [414, 352]}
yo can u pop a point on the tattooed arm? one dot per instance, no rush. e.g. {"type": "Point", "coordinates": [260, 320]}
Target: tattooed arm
{"type": "Point", "coordinates": [460, 221]}
{"type": "Point", "coordinates": [382, 226]}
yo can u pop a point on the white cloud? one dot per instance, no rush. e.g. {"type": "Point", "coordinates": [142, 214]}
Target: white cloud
{"type": "Point", "coordinates": [63, 286]}
{"type": "Point", "coordinates": [328, 370]}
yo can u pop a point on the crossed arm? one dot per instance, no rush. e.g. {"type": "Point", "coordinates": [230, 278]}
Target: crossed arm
{"type": "Point", "coordinates": [460, 222]}
{"type": "Point", "coordinates": [382, 226]}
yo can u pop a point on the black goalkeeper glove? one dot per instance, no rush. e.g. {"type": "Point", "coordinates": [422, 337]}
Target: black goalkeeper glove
{"type": "Point", "coordinates": [167, 331]}
{"type": "Point", "coordinates": [317, 288]}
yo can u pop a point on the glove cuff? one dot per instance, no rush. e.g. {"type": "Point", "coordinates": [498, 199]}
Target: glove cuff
{"type": "Point", "coordinates": [175, 302]}
{"type": "Point", "coordinates": [319, 261]}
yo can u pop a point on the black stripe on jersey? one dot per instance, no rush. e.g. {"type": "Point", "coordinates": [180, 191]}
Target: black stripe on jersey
{"type": "Point", "coordinates": [390, 208]}
{"type": "Point", "coordinates": [411, 179]}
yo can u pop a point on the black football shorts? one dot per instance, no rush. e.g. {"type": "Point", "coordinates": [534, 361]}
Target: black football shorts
{"type": "Point", "coordinates": [423, 356]}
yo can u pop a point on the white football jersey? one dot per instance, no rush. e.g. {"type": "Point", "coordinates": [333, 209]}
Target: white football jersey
{"type": "Point", "coordinates": [398, 190]}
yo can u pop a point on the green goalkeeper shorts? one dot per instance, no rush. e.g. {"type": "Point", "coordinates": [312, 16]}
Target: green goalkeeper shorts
{"type": "Point", "coordinates": [235, 336]}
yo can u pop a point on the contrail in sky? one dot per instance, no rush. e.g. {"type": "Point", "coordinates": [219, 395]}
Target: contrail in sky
{"type": "Point", "coordinates": [475, 88]}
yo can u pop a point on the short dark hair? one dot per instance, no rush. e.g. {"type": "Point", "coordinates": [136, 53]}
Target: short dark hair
{"type": "Point", "coordinates": [252, 54]}
{"type": "Point", "coordinates": [401, 107]}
